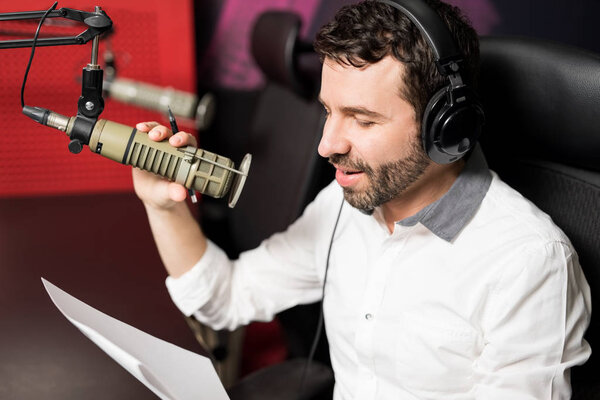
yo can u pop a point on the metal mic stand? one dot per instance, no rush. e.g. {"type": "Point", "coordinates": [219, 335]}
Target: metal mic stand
{"type": "Point", "coordinates": [91, 103]}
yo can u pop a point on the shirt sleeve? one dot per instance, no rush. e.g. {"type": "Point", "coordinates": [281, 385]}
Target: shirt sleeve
{"type": "Point", "coordinates": [534, 327]}
{"type": "Point", "coordinates": [281, 273]}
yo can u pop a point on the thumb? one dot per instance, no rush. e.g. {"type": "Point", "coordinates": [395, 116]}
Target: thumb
{"type": "Point", "coordinates": [176, 192]}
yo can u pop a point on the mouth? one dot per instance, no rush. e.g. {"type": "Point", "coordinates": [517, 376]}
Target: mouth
{"type": "Point", "coordinates": [347, 177]}
{"type": "Point", "coordinates": [348, 172]}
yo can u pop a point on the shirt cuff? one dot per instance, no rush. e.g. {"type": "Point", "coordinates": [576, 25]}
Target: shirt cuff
{"type": "Point", "coordinates": [191, 290]}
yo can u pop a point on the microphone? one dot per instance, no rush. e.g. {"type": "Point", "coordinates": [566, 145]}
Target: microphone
{"type": "Point", "coordinates": [194, 168]}
{"type": "Point", "coordinates": [157, 98]}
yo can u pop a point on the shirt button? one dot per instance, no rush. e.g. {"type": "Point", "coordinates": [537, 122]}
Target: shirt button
{"type": "Point", "coordinates": [368, 316]}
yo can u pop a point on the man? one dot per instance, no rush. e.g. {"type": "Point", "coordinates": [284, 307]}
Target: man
{"type": "Point", "coordinates": [442, 282]}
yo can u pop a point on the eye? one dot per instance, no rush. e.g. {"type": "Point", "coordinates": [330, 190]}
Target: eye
{"type": "Point", "coordinates": [364, 123]}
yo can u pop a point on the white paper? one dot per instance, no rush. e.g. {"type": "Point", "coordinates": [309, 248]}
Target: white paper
{"type": "Point", "coordinates": [171, 372]}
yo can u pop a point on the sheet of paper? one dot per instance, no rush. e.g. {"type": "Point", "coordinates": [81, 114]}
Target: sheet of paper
{"type": "Point", "coordinates": [171, 372]}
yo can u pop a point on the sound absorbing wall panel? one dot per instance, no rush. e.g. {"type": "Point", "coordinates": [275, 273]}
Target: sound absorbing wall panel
{"type": "Point", "coordinates": [153, 42]}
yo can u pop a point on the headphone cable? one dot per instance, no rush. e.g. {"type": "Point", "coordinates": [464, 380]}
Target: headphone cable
{"type": "Point", "coordinates": [317, 336]}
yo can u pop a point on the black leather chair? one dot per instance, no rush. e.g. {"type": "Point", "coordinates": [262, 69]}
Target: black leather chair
{"type": "Point", "coordinates": [284, 135]}
{"type": "Point", "coordinates": [285, 175]}
{"type": "Point", "coordinates": [542, 136]}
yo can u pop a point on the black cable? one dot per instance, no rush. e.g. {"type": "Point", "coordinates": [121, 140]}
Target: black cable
{"type": "Point", "coordinates": [35, 37]}
{"type": "Point", "coordinates": [315, 342]}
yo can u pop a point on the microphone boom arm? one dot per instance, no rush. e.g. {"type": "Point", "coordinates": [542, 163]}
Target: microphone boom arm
{"type": "Point", "coordinates": [97, 22]}
{"type": "Point", "coordinates": [194, 168]}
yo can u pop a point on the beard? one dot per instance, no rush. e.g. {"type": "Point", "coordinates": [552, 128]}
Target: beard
{"type": "Point", "coordinates": [386, 181]}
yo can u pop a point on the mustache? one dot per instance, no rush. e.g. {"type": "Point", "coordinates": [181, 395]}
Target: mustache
{"type": "Point", "coordinates": [344, 161]}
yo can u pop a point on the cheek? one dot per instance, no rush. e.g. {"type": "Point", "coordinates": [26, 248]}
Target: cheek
{"type": "Point", "coordinates": [380, 149]}
{"type": "Point", "coordinates": [407, 141]}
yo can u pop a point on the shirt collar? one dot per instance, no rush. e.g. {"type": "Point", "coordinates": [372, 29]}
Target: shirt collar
{"type": "Point", "coordinates": [448, 215]}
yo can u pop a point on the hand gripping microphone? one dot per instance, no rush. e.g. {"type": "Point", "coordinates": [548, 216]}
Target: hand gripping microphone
{"type": "Point", "coordinates": [194, 168]}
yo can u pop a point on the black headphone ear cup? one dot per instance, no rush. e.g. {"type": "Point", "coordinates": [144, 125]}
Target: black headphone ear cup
{"type": "Point", "coordinates": [452, 123]}
{"type": "Point", "coordinates": [430, 115]}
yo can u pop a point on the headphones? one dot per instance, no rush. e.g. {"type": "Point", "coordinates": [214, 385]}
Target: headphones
{"type": "Point", "coordinates": [453, 118]}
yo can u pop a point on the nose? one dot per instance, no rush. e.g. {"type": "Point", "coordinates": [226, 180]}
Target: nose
{"type": "Point", "coordinates": [333, 140]}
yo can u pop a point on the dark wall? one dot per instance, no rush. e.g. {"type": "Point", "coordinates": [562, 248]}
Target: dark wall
{"type": "Point", "coordinates": [567, 21]}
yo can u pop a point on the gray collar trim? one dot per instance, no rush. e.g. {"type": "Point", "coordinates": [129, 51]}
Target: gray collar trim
{"type": "Point", "coordinates": [447, 216]}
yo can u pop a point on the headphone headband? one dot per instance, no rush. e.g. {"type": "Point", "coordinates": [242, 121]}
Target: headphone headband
{"type": "Point", "coordinates": [434, 30]}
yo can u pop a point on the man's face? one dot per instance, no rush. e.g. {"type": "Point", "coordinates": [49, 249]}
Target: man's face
{"type": "Point", "coordinates": [371, 135]}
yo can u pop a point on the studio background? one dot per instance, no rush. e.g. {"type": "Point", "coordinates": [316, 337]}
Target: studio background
{"type": "Point", "coordinates": [74, 219]}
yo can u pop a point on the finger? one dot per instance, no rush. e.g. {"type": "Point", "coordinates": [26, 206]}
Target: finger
{"type": "Point", "coordinates": [145, 126]}
{"type": "Point", "coordinates": [159, 133]}
{"type": "Point", "coordinates": [183, 139]}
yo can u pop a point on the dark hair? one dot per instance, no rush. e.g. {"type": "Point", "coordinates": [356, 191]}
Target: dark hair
{"type": "Point", "coordinates": [366, 32]}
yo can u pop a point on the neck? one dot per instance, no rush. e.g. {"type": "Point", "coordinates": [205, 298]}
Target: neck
{"type": "Point", "coordinates": [432, 185]}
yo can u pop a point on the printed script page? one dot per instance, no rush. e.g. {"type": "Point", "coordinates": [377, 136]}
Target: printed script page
{"type": "Point", "coordinates": [171, 372]}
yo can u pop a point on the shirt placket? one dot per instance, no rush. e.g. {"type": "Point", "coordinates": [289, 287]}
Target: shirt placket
{"type": "Point", "coordinates": [367, 323]}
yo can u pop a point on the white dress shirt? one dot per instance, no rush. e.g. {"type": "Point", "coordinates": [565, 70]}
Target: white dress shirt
{"type": "Point", "coordinates": [478, 296]}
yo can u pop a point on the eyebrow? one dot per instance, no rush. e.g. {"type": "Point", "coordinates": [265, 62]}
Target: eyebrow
{"type": "Point", "coordinates": [352, 110]}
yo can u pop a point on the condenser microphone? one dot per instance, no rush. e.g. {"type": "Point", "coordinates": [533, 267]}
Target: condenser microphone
{"type": "Point", "coordinates": [183, 104]}
{"type": "Point", "coordinates": [194, 168]}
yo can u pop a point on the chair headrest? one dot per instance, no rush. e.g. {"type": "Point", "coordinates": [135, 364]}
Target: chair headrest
{"type": "Point", "coordinates": [541, 99]}
{"type": "Point", "coordinates": [281, 55]}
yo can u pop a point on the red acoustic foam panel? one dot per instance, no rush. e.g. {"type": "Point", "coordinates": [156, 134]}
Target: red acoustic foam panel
{"type": "Point", "coordinates": [152, 42]}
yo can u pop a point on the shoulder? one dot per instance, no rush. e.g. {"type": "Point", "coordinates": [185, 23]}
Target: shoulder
{"type": "Point", "coordinates": [506, 212]}
{"type": "Point", "coordinates": [512, 237]}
